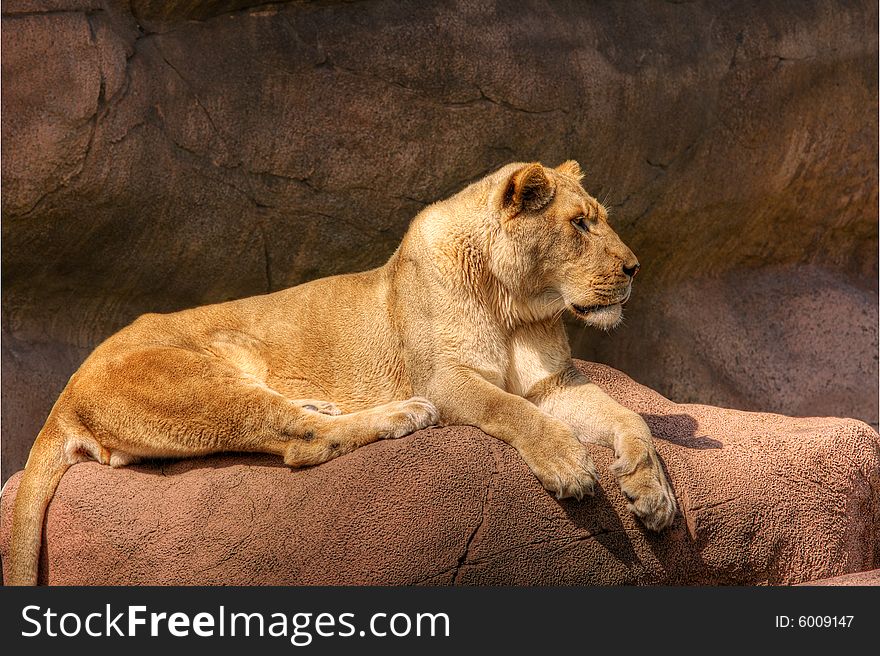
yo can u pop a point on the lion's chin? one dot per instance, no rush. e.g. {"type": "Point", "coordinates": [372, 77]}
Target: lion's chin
{"type": "Point", "coordinates": [598, 316]}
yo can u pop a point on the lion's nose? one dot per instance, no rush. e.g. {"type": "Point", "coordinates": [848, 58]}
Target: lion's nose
{"type": "Point", "coordinates": [631, 271]}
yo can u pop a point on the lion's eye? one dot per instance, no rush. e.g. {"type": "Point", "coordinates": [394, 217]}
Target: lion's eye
{"type": "Point", "coordinates": [580, 224]}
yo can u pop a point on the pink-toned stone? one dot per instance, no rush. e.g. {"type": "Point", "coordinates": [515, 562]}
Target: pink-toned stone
{"type": "Point", "coordinates": [871, 577]}
{"type": "Point", "coordinates": [765, 499]}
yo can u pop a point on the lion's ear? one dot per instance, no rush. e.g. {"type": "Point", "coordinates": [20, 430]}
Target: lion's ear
{"type": "Point", "coordinates": [529, 189]}
{"type": "Point", "coordinates": [572, 168]}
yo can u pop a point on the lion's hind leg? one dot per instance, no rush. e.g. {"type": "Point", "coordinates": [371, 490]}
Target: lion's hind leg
{"type": "Point", "coordinates": [174, 403]}
{"type": "Point", "coordinates": [330, 436]}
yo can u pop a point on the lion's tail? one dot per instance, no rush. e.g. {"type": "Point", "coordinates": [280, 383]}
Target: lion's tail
{"type": "Point", "coordinates": [45, 467]}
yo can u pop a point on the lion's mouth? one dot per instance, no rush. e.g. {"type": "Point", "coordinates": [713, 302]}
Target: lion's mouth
{"type": "Point", "coordinates": [585, 310]}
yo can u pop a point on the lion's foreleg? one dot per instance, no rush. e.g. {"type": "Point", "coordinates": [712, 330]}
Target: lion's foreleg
{"type": "Point", "coordinates": [599, 419]}
{"type": "Point", "coordinates": [547, 445]}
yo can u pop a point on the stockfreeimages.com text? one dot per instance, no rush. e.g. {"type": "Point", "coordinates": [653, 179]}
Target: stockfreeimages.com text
{"type": "Point", "coordinates": [301, 628]}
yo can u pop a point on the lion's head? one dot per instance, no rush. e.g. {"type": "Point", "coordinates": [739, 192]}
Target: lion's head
{"type": "Point", "coordinates": [555, 249]}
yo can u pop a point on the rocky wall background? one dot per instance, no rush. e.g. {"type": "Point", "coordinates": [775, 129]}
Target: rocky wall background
{"type": "Point", "coordinates": [159, 155]}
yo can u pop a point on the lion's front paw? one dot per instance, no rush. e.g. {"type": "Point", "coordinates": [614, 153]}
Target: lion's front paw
{"type": "Point", "coordinates": [564, 469]}
{"type": "Point", "coordinates": [411, 415]}
{"type": "Point", "coordinates": [650, 495]}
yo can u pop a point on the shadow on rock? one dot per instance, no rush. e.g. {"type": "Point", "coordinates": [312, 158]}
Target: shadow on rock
{"type": "Point", "coordinates": [173, 467]}
{"type": "Point", "coordinates": [681, 430]}
{"type": "Point", "coordinates": [596, 516]}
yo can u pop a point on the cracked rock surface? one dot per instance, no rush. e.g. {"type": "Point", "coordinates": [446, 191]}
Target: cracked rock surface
{"type": "Point", "coordinates": [765, 499]}
{"type": "Point", "coordinates": [161, 155]}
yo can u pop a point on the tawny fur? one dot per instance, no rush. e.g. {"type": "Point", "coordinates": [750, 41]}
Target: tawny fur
{"type": "Point", "coordinates": [461, 326]}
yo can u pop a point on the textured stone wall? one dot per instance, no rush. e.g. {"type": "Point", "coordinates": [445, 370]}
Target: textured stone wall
{"type": "Point", "coordinates": [159, 155]}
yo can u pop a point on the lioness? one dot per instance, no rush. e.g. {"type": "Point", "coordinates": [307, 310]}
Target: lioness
{"type": "Point", "coordinates": [461, 326]}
